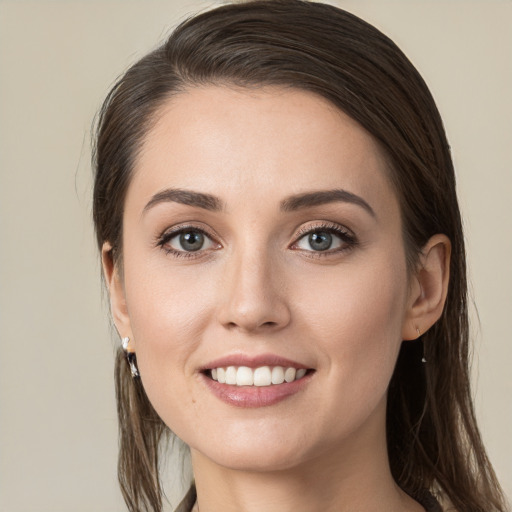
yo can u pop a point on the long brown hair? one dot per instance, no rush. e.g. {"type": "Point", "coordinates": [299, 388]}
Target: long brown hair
{"type": "Point", "coordinates": [433, 439]}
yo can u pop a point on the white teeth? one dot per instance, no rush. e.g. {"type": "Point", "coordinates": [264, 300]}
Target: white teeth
{"type": "Point", "coordinates": [277, 375]}
{"type": "Point", "coordinates": [244, 376]}
{"type": "Point", "coordinates": [221, 375]}
{"type": "Point", "coordinates": [230, 375]}
{"type": "Point", "coordinates": [262, 376]}
{"type": "Point", "coordinates": [300, 373]}
{"type": "Point", "coordinates": [289, 374]}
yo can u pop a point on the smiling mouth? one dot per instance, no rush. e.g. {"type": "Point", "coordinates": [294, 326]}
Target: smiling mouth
{"type": "Point", "coordinates": [262, 376]}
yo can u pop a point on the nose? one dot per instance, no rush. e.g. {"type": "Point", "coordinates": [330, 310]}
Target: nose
{"type": "Point", "coordinates": [253, 296]}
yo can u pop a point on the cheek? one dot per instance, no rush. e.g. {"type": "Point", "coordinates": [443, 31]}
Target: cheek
{"type": "Point", "coordinates": [168, 310]}
{"type": "Point", "coordinates": [356, 318]}
{"type": "Point", "coordinates": [355, 321]}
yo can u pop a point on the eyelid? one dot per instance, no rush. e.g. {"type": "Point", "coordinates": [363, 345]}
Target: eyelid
{"type": "Point", "coordinates": [169, 233]}
{"type": "Point", "coordinates": [322, 224]}
{"type": "Point", "coordinates": [346, 235]}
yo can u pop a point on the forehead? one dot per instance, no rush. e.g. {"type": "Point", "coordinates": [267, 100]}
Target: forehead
{"type": "Point", "coordinates": [269, 141]}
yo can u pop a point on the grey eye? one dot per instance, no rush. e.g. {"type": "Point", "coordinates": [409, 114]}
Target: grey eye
{"type": "Point", "coordinates": [190, 241]}
{"type": "Point", "coordinates": [320, 240]}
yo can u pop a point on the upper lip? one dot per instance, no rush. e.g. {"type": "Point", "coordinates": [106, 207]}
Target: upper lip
{"type": "Point", "coordinates": [253, 361]}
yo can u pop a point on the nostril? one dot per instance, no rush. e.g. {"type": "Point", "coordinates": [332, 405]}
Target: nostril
{"type": "Point", "coordinates": [253, 326]}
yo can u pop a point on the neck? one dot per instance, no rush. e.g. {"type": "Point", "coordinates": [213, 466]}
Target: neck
{"type": "Point", "coordinates": [354, 476]}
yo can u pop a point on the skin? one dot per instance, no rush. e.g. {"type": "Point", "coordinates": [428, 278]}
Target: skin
{"type": "Point", "coordinates": [258, 287]}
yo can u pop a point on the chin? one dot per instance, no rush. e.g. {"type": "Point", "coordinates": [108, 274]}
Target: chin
{"type": "Point", "coordinates": [259, 454]}
{"type": "Point", "coordinates": [257, 460]}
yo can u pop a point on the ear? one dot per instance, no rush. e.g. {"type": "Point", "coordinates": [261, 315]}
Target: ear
{"type": "Point", "coordinates": [429, 287]}
{"type": "Point", "coordinates": [115, 287]}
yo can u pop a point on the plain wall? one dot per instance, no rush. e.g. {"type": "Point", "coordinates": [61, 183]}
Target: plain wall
{"type": "Point", "coordinates": [58, 438]}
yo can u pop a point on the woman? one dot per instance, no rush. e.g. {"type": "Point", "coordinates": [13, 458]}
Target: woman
{"type": "Point", "coordinates": [275, 205]}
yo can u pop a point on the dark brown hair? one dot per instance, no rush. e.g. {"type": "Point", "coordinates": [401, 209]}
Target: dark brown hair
{"type": "Point", "coordinates": [433, 439]}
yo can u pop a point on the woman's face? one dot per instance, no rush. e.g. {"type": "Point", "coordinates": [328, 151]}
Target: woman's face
{"type": "Point", "coordinates": [261, 233]}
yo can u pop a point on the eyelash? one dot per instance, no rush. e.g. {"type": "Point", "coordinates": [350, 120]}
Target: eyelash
{"type": "Point", "coordinates": [167, 236]}
{"type": "Point", "coordinates": [346, 236]}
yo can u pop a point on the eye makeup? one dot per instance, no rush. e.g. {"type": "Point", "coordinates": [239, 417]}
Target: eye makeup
{"type": "Point", "coordinates": [317, 239]}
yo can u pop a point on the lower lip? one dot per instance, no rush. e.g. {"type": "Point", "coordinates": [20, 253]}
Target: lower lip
{"type": "Point", "coordinates": [256, 396]}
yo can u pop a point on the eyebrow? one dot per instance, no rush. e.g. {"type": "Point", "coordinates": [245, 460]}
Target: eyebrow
{"type": "Point", "coordinates": [293, 203]}
{"type": "Point", "coordinates": [188, 197]}
{"type": "Point", "coordinates": [321, 197]}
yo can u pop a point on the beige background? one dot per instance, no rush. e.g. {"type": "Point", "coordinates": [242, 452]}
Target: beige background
{"type": "Point", "coordinates": [57, 60]}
